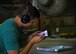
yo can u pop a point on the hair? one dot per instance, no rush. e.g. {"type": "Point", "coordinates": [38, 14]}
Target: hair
{"type": "Point", "coordinates": [31, 10]}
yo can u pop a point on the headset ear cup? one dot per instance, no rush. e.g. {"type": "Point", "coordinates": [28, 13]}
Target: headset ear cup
{"type": "Point", "coordinates": [25, 18]}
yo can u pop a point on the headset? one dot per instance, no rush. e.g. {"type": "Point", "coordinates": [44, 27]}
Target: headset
{"type": "Point", "coordinates": [25, 18]}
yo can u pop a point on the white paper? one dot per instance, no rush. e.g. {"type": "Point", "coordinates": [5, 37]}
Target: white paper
{"type": "Point", "coordinates": [44, 33]}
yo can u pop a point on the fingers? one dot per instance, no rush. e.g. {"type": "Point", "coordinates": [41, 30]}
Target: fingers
{"type": "Point", "coordinates": [39, 38]}
{"type": "Point", "coordinates": [35, 33]}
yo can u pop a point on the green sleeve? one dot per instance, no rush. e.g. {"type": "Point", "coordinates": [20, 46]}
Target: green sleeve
{"type": "Point", "coordinates": [10, 40]}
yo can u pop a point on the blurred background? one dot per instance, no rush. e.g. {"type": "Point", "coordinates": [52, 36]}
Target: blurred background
{"type": "Point", "coordinates": [57, 16]}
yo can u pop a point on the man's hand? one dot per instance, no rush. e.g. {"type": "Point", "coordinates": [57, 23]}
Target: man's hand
{"type": "Point", "coordinates": [36, 39]}
{"type": "Point", "coordinates": [35, 33]}
{"type": "Point", "coordinates": [32, 35]}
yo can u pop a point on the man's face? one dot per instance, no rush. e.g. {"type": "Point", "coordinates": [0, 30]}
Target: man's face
{"type": "Point", "coordinates": [31, 23]}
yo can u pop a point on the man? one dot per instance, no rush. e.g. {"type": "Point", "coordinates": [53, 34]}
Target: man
{"type": "Point", "coordinates": [11, 31]}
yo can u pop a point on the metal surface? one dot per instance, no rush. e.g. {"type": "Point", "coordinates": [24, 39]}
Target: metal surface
{"type": "Point", "coordinates": [54, 43]}
{"type": "Point", "coordinates": [65, 52]}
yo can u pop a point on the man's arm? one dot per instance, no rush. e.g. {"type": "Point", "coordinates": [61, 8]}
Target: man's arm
{"type": "Point", "coordinates": [27, 48]}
